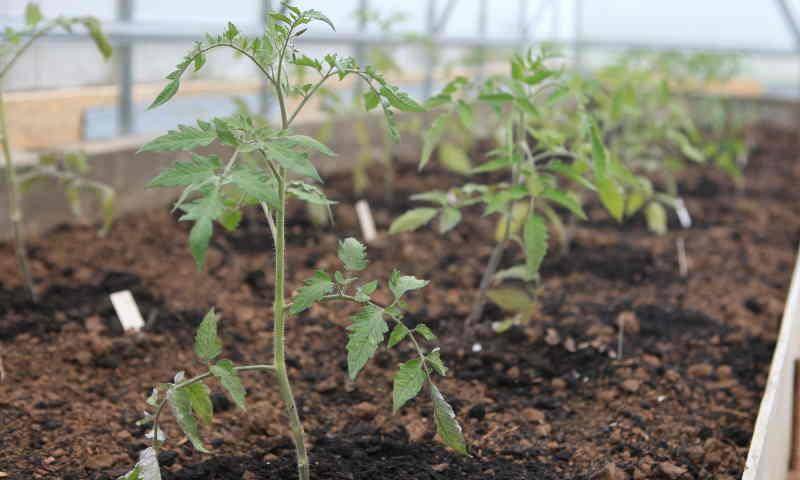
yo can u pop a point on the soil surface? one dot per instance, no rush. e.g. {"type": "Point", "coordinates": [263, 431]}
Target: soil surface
{"type": "Point", "coordinates": [548, 400]}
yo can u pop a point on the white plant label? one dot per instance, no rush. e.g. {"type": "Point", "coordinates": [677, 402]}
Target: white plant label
{"type": "Point", "coordinates": [683, 214]}
{"type": "Point", "coordinates": [127, 311]}
{"type": "Point", "coordinates": [366, 221]}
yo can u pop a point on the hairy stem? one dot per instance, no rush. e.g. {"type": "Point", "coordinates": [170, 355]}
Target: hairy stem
{"type": "Point", "coordinates": [279, 338]}
{"type": "Point", "coordinates": [14, 209]}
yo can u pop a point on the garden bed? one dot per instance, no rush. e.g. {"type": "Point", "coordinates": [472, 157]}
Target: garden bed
{"type": "Point", "coordinates": [549, 400]}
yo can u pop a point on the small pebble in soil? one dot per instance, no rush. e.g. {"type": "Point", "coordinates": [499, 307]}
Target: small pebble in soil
{"type": "Point", "coordinates": [167, 458]}
{"type": "Point", "coordinates": [220, 402]}
{"type": "Point", "coordinates": [477, 412]}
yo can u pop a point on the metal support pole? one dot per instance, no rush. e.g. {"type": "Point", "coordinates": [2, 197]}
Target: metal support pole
{"type": "Point", "coordinates": [578, 45]}
{"type": "Point", "coordinates": [794, 29]}
{"type": "Point", "coordinates": [483, 23]}
{"type": "Point", "coordinates": [522, 22]}
{"type": "Point", "coordinates": [124, 65]}
{"type": "Point", "coordinates": [263, 91]}
{"type": "Point", "coordinates": [430, 60]}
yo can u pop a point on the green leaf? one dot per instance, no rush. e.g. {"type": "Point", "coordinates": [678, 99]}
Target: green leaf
{"type": "Point", "coordinates": [611, 197]}
{"type": "Point", "coordinates": [455, 158]}
{"type": "Point", "coordinates": [400, 100]}
{"type": "Point", "coordinates": [229, 379]}
{"type": "Point", "coordinates": [656, 217]}
{"type": "Point", "coordinates": [207, 344]}
{"type": "Point", "coordinates": [412, 220]}
{"type": "Point", "coordinates": [184, 138]}
{"type": "Point", "coordinates": [308, 193]}
{"type": "Point", "coordinates": [599, 153]}
{"type": "Point", "coordinates": [199, 395]}
{"type": "Point", "coordinates": [566, 200]}
{"type": "Point", "coordinates": [511, 299]}
{"type": "Point", "coordinates": [203, 212]}
{"type": "Point", "coordinates": [353, 254]}
{"type": "Point", "coordinates": [408, 381]}
{"type": "Point", "coordinates": [399, 332]}
{"type": "Point", "coordinates": [310, 143]}
{"type": "Point", "coordinates": [431, 138]}
{"type": "Point", "coordinates": [535, 238]}
{"type": "Point", "coordinates": [181, 404]}
{"type": "Point", "coordinates": [256, 184]}
{"type": "Point", "coordinates": [365, 333]}
{"type": "Point", "coordinates": [364, 292]}
{"type": "Point", "coordinates": [146, 468]}
{"type": "Point", "coordinates": [449, 219]}
{"type": "Point", "coordinates": [33, 14]}
{"type": "Point", "coordinates": [292, 160]}
{"type": "Point", "coordinates": [425, 331]}
{"type": "Point", "coordinates": [435, 360]}
{"type": "Point", "coordinates": [316, 15]}
{"type": "Point", "coordinates": [166, 94]}
{"type": "Point", "coordinates": [446, 424]}
{"type": "Point", "coordinates": [400, 284]}
{"type": "Point", "coordinates": [371, 100]}
{"type": "Point", "coordinates": [230, 219]}
{"type": "Point", "coordinates": [195, 171]}
{"type": "Point", "coordinates": [311, 292]}
{"type": "Point", "coordinates": [465, 114]}
{"type": "Point", "coordinates": [98, 37]}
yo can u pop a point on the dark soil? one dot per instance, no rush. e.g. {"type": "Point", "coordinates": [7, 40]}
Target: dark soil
{"type": "Point", "coordinates": [551, 399]}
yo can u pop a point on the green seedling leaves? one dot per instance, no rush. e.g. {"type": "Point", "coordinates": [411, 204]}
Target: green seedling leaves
{"type": "Point", "coordinates": [365, 334]}
{"type": "Point", "coordinates": [447, 426]}
{"type": "Point", "coordinates": [227, 376]}
{"type": "Point", "coordinates": [314, 289]}
{"type": "Point", "coordinates": [534, 236]}
{"type": "Point", "coordinates": [207, 344]}
{"type": "Point", "coordinates": [449, 219]}
{"type": "Point", "coordinates": [199, 396]}
{"type": "Point", "coordinates": [256, 184]}
{"type": "Point", "coordinates": [353, 254]}
{"type": "Point", "coordinates": [431, 138]}
{"type": "Point", "coordinates": [146, 468]}
{"type": "Point", "coordinates": [425, 331]}
{"type": "Point", "coordinates": [195, 171]}
{"type": "Point", "coordinates": [166, 94]}
{"type": "Point", "coordinates": [400, 284]}
{"type": "Point", "coordinates": [308, 193]}
{"type": "Point", "coordinates": [309, 143]}
{"type": "Point", "coordinates": [33, 15]}
{"type": "Point", "coordinates": [203, 211]}
{"type": "Point", "coordinates": [292, 160]}
{"type": "Point", "coordinates": [399, 332]}
{"type": "Point", "coordinates": [180, 402]}
{"type": "Point", "coordinates": [611, 196]}
{"type": "Point", "coordinates": [408, 381]}
{"type": "Point", "coordinates": [184, 138]}
{"type": "Point", "coordinates": [656, 217]}
{"type": "Point", "coordinates": [434, 359]}
{"type": "Point", "coordinates": [98, 37]}
{"type": "Point", "coordinates": [412, 220]}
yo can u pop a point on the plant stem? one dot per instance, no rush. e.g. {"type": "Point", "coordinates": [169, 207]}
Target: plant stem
{"type": "Point", "coordinates": [14, 210]}
{"type": "Point", "coordinates": [279, 339]}
{"type": "Point", "coordinates": [486, 280]}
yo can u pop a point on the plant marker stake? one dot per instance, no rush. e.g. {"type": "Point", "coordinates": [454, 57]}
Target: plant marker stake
{"type": "Point", "coordinates": [366, 221]}
{"type": "Point", "coordinates": [127, 311]}
{"type": "Point", "coordinates": [683, 261]}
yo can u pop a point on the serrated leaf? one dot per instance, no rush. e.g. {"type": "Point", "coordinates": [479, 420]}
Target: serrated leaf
{"type": "Point", "coordinates": [197, 170]}
{"type": "Point", "coordinates": [455, 158]}
{"type": "Point", "coordinates": [599, 154]}
{"type": "Point", "coordinates": [353, 254]}
{"type": "Point", "coordinates": [317, 15]}
{"type": "Point", "coordinates": [308, 193]}
{"type": "Point", "coordinates": [230, 381]}
{"type": "Point", "coordinates": [435, 360]}
{"type": "Point", "coordinates": [184, 138]}
{"type": "Point", "coordinates": [425, 331]}
{"type": "Point", "coordinates": [146, 468]}
{"type": "Point", "coordinates": [399, 332]}
{"type": "Point", "coordinates": [656, 217]}
{"type": "Point", "coordinates": [449, 218]}
{"type": "Point", "coordinates": [310, 143]}
{"type": "Point", "coordinates": [611, 197]}
{"type": "Point", "coordinates": [230, 219]}
{"type": "Point", "coordinates": [400, 100]}
{"type": "Point", "coordinates": [534, 236]}
{"type": "Point", "coordinates": [166, 94]}
{"type": "Point", "coordinates": [203, 212]}
{"type": "Point", "coordinates": [431, 138]}
{"type": "Point", "coordinates": [401, 284]}
{"type": "Point", "coordinates": [371, 100]}
{"type": "Point", "coordinates": [199, 395]}
{"type": "Point", "coordinates": [408, 381]}
{"type": "Point", "coordinates": [365, 334]}
{"type": "Point", "coordinates": [566, 200]}
{"type": "Point", "coordinates": [98, 37]}
{"type": "Point", "coordinates": [446, 424]}
{"type": "Point", "coordinates": [311, 292]}
{"type": "Point", "coordinates": [181, 404]}
{"type": "Point", "coordinates": [412, 220]}
{"type": "Point", "coordinates": [256, 184]}
{"type": "Point", "coordinates": [207, 344]}
{"type": "Point", "coordinates": [294, 161]}
{"type": "Point", "coordinates": [364, 292]}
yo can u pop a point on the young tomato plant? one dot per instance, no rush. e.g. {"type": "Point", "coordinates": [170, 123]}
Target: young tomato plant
{"type": "Point", "coordinates": [216, 192]}
{"type": "Point", "coordinates": [545, 171]}
{"type": "Point", "coordinates": [68, 171]}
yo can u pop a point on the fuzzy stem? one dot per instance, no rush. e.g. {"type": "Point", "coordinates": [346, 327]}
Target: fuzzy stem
{"type": "Point", "coordinates": [279, 339]}
{"type": "Point", "coordinates": [14, 210]}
